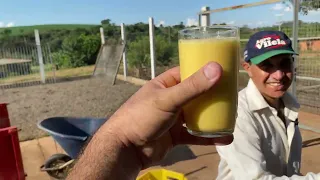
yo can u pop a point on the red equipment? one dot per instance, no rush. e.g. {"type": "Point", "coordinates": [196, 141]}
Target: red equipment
{"type": "Point", "coordinates": [4, 116]}
{"type": "Point", "coordinates": [11, 166]}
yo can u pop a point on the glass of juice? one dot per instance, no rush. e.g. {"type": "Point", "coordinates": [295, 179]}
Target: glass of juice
{"type": "Point", "coordinates": [212, 114]}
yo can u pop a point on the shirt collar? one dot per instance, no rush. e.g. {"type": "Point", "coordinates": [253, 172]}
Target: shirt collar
{"type": "Point", "coordinates": [257, 102]}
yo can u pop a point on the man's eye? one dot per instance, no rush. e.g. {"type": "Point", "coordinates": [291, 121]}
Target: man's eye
{"type": "Point", "coordinates": [286, 65]}
{"type": "Point", "coordinates": [266, 65]}
{"type": "Point", "coordinates": [287, 60]}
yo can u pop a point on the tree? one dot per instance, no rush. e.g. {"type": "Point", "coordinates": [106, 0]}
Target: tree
{"type": "Point", "coordinates": [78, 51]}
{"type": "Point", "coordinates": [7, 32]}
{"type": "Point", "coordinates": [139, 53]}
{"type": "Point", "coordinates": [307, 5]}
{"type": "Point", "coordinates": [246, 32]}
{"type": "Point", "coordinates": [179, 26]}
{"type": "Point", "coordinates": [165, 51]}
{"type": "Point", "coordinates": [106, 22]}
{"type": "Point", "coordinates": [220, 24]}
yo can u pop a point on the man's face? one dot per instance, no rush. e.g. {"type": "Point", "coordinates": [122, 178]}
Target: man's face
{"type": "Point", "coordinates": [273, 76]}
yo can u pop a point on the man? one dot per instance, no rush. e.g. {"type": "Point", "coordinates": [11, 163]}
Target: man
{"type": "Point", "coordinates": [267, 141]}
{"type": "Point", "coordinates": [145, 127]}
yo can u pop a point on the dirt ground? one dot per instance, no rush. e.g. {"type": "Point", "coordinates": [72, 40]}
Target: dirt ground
{"type": "Point", "coordinates": [81, 98]}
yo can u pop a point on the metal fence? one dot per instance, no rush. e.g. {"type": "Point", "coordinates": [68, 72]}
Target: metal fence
{"type": "Point", "coordinates": [19, 66]}
{"type": "Point", "coordinates": [308, 64]}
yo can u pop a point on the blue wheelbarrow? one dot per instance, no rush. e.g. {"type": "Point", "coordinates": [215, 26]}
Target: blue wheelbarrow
{"type": "Point", "coordinates": [71, 133]}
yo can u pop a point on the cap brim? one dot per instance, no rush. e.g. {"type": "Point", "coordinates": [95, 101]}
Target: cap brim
{"type": "Point", "coordinates": [267, 55]}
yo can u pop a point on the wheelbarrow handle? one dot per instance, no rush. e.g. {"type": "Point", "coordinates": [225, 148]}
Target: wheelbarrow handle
{"type": "Point", "coordinates": [42, 168]}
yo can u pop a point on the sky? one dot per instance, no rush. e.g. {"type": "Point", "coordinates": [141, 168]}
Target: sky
{"type": "Point", "coordinates": [165, 12]}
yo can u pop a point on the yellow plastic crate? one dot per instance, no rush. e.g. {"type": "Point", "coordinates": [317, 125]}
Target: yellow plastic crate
{"type": "Point", "coordinates": [161, 174]}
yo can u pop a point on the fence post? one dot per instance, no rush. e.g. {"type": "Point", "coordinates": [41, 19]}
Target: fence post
{"type": "Point", "coordinates": [124, 56]}
{"type": "Point", "coordinates": [102, 36]}
{"type": "Point", "coordinates": [204, 18]}
{"type": "Point", "coordinates": [40, 57]}
{"type": "Point", "coordinates": [152, 46]}
{"type": "Point", "coordinates": [295, 28]}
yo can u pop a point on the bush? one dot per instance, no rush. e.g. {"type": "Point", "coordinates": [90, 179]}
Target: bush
{"type": "Point", "coordinates": [61, 59]}
{"type": "Point", "coordinates": [77, 51]}
{"type": "Point", "coordinates": [139, 52]}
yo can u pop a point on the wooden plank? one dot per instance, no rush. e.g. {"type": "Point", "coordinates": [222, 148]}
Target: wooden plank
{"type": "Point", "coordinates": [241, 6]}
{"type": "Point", "coordinates": [13, 61]}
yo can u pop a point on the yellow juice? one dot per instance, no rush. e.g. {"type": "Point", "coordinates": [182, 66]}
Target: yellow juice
{"type": "Point", "coordinates": [215, 111]}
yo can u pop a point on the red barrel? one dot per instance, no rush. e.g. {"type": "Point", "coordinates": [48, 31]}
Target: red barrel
{"type": "Point", "coordinates": [11, 166]}
{"type": "Point", "coordinates": [4, 116]}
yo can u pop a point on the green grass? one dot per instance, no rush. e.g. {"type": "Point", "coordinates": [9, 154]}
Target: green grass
{"type": "Point", "coordinates": [47, 67]}
{"type": "Point", "coordinates": [19, 30]}
{"type": "Point", "coordinates": [62, 73]}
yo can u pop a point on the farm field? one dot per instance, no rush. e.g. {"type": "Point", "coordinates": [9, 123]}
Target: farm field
{"type": "Point", "coordinates": [20, 30]}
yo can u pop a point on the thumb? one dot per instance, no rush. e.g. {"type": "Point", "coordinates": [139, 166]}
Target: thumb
{"type": "Point", "coordinates": [198, 83]}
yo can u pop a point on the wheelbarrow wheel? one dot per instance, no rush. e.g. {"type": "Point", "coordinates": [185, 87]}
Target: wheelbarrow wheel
{"type": "Point", "coordinates": [56, 161]}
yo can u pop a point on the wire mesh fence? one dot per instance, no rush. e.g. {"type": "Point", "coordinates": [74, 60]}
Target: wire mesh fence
{"type": "Point", "coordinates": [19, 66]}
{"type": "Point", "coordinates": [308, 63]}
{"type": "Point", "coordinates": [138, 51]}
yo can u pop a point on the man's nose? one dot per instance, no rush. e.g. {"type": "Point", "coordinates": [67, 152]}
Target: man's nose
{"type": "Point", "coordinates": [278, 74]}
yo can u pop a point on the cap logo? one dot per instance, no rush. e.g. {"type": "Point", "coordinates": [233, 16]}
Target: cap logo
{"type": "Point", "coordinates": [270, 42]}
{"type": "Point", "coordinates": [245, 54]}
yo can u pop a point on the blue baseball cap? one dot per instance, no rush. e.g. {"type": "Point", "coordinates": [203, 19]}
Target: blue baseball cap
{"type": "Point", "coordinates": [265, 44]}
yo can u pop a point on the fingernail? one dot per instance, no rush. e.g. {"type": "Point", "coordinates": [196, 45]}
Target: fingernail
{"type": "Point", "coordinates": [211, 71]}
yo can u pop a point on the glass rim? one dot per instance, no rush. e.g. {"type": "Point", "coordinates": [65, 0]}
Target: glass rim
{"type": "Point", "coordinates": [226, 27]}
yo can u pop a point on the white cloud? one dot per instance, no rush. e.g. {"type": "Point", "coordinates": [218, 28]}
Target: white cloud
{"type": "Point", "coordinates": [231, 22]}
{"type": "Point", "coordinates": [277, 7]}
{"type": "Point", "coordinates": [191, 22]}
{"type": "Point", "coordinates": [279, 15]}
{"type": "Point", "coordinates": [287, 9]}
{"type": "Point", "coordinates": [310, 20]}
{"type": "Point", "coordinates": [314, 12]}
{"type": "Point", "coordinates": [161, 22]}
{"type": "Point", "coordinates": [10, 24]}
{"type": "Point", "coordinates": [260, 23]}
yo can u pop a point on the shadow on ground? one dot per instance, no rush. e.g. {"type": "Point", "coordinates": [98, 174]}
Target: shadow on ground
{"type": "Point", "coordinates": [177, 154]}
{"type": "Point", "coordinates": [194, 171]}
{"type": "Point", "coordinates": [311, 142]}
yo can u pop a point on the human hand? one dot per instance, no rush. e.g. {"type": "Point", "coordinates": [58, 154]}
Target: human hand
{"type": "Point", "coordinates": [151, 119]}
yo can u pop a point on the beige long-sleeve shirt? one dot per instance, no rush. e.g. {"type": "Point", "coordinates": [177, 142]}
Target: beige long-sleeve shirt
{"type": "Point", "coordinates": [264, 147]}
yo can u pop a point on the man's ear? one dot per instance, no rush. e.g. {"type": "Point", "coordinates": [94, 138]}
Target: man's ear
{"type": "Point", "coordinates": [247, 67]}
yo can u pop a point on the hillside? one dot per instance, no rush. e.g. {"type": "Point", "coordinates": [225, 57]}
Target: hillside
{"type": "Point", "coordinates": [21, 30]}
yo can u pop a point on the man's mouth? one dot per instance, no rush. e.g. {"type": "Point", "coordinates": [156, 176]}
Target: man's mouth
{"type": "Point", "coordinates": [276, 85]}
